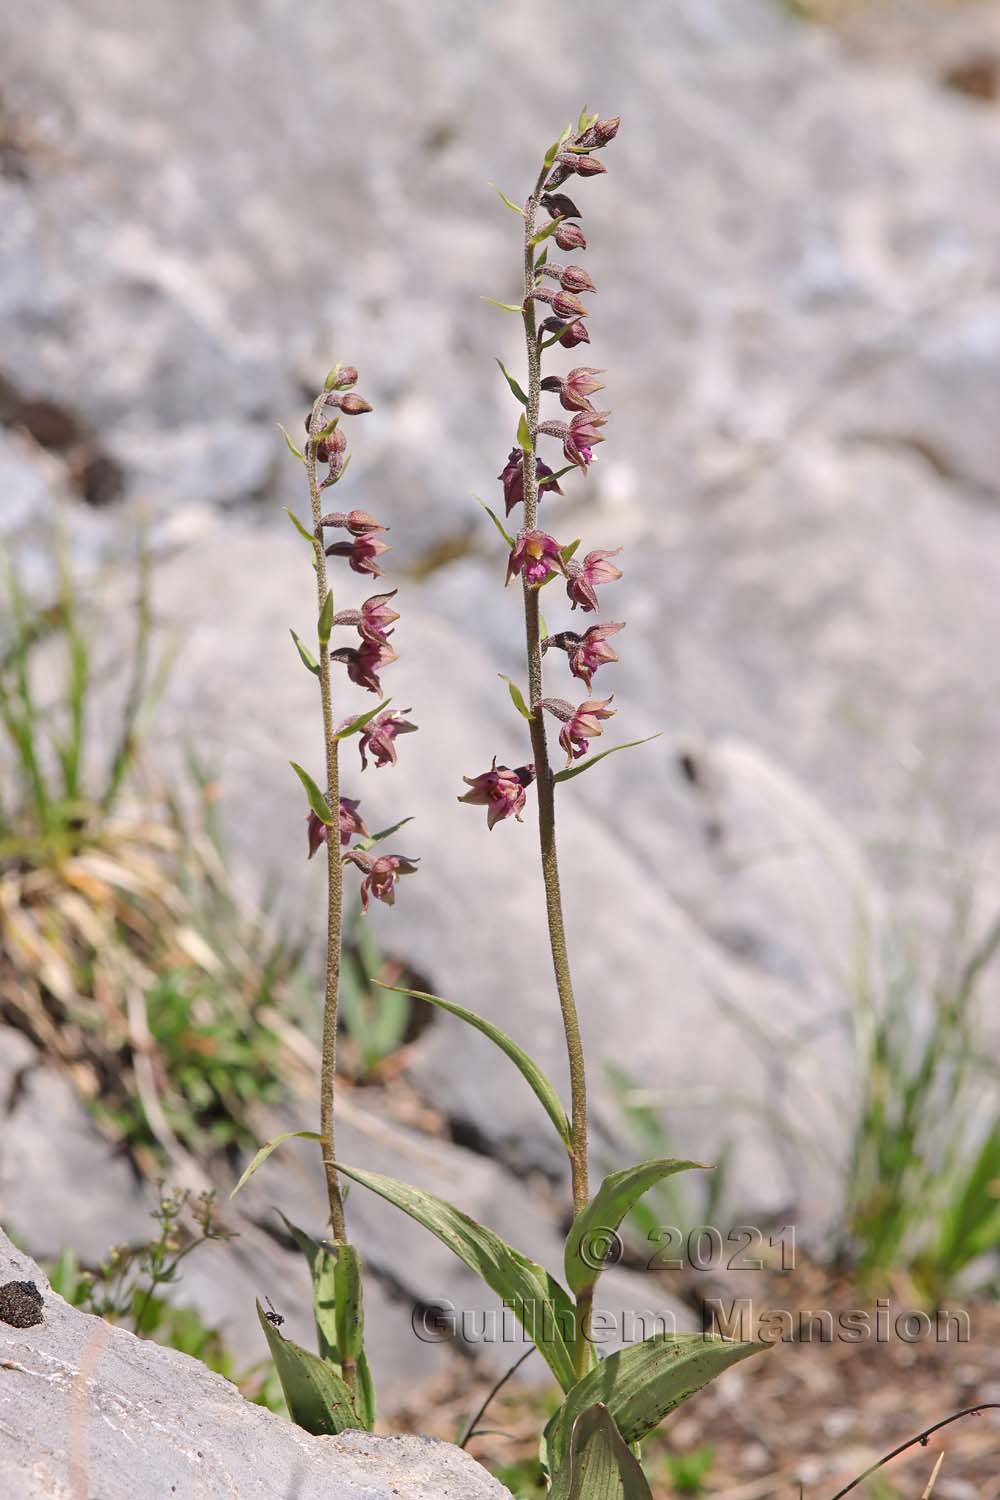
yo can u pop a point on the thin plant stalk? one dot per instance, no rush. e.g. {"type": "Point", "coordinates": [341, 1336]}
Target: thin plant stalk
{"type": "Point", "coordinates": [546, 785]}
{"type": "Point", "coordinates": [335, 872]}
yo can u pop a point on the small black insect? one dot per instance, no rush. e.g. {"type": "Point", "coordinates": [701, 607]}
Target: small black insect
{"type": "Point", "coordinates": [273, 1317]}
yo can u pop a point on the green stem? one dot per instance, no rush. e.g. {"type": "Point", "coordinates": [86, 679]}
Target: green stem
{"type": "Point", "coordinates": [546, 785]}
{"type": "Point", "coordinates": [335, 872]}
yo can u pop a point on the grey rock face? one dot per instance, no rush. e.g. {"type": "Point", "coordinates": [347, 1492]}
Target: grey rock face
{"type": "Point", "coordinates": [86, 1409]}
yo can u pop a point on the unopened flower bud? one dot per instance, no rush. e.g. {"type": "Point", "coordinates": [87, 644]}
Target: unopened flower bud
{"type": "Point", "coordinates": [558, 206]}
{"type": "Point", "coordinates": [351, 404]}
{"type": "Point", "coordinates": [566, 305]}
{"type": "Point", "coordinates": [341, 378]}
{"type": "Point", "coordinates": [501, 790]}
{"type": "Point", "coordinates": [357, 522]}
{"type": "Point", "coordinates": [599, 134]}
{"type": "Point", "coordinates": [573, 334]}
{"type": "Point", "coordinates": [581, 164]}
{"type": "Point", "coordinates": [570, 237]}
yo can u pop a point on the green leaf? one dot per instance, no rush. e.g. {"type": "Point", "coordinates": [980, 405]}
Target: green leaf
{"type": "Point", "coordinates": [557, 146]}
{"type": "Point", "coordinates": [536, 1298]}
{"type": "Point", "coordinates": [383, 833]}
{"type": "Point", "coordinates": [550, 228]}
{"type": "Point", "coordinates": [299, 526]}
{"type": "Point", "coordinates": [509, 201]}
{"type": "Point", "coordinates": [318, 1399]}
{"type": "Point", "coordinates": [616, 1195]}
{"type": "Point", "coordinates": [308, 660]}
{"type": "Point", "coordinates": [292, 448]}
{"type": "Point", "coordinates": [567, 552]}
{"type": "Point", "coordinates": [322, 1265]}
{"type": "Point", "coordinates": [331, 379]}
{"type": "Point", "coordinates": [517, 697]}
{"type": "Point", "coordinates": [506, 306]}
{"type": "Point", "coordinates": [529, 1069]}
{"type": "Point", "coordinates": [515, 388]}
{"type": "Point", "coordinates": [640, 1385]}
{"type": "Point", "coordinates": [364, 1395]}
{"type": "Point", "coordinates": [497, 523]}
{"type": "Point", "coordinates": [348, 1302]}
{"type": "Point", "coordinates": [272, 1145]}
{"type": "Point", "coordinates": [523, 435]}
{"type": "Point", "coordinates": [317, 801]}
{"type": "Point", "coordinates": [540, 262]}
{"type": "Point", "coordinates": [356, 725]}
{"type": "Point", "coordinates": [584, 121]}
{"type": "Point", "coordinates": [600, 1465]}
{"type": "Point", "coordinates": [551, 478]}
{"type": "Point", "coordinates": [325, 625]}
{"type": "Point", "coordinates": [585, 765]}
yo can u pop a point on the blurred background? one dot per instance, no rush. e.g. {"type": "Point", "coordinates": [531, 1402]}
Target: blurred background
{"type": "Point", "coordinates": [784, 912]}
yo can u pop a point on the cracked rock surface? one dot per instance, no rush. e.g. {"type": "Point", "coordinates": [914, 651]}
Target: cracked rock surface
{"type": "Point", "coordinates": [87, 1409]}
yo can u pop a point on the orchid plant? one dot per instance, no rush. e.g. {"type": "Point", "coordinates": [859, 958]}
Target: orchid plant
{"type": "Point", "coordinates": [591, 1445]}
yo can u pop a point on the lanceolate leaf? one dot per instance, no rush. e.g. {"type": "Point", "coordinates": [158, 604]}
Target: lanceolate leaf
{"type": "Point", "coordinates": [584, 765]}
{"type": "Point", "coordinates": [318, 1399]}
{"type": "Point", "coordinates": [550, 228]}
{"type": "Point", "coordinates": [326, 618]}
{"type": "Point", "coordinates": [383, 833]}
{"type": "Point", "coordinates": [517, 698]}
{"type": "Point", "coordinates": [547, 479]}
{"type": "Point", "coordinates": [292, 449]}
{"type": "Point", "coordinates": [308, 660]}
{"type": "Point", "coordinates": [272, 1145]}
{"type": "Point", "coordinates": [523, 434]}
{"type": "Point", "coordinates": [536, 1298]}
{"type": "Point", "coordinates": [567, 552]}
{"type": "Point", "coordinates": [515, 388]}
{"type": "Point", "coordinates": [530, 1071]}
{"type": "Point", "coordinates": [317, 801]}
{"type": "Point", "coordinates": [364, 1396]}
{"type": "Point", "coordinates": [602, 1216]}
{"type": "Point", "coordinates": [509, 201]}
{"type": "Point", "coordinates": [349, 1306]}
{"type": "Point", "coordinates": [640, 1385]}
{"type": "Point", "coordinates": [322, 1266]}
{"type": "Point", "coordinates": [299, 526]}
{"type": "Point", "coordinates": [356, 725]}
{"type": "Point", "coordinates": [599, 1466]}
{"type": "Point", "coordinates": [506, 306]}
{"type": "Point", "coordinates": [498, 524]}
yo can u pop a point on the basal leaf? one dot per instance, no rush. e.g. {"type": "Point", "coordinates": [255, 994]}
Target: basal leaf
{"type": "Point", "coordinates": [322, 1266]}
{"type": "Point", "coordinates": [318, 1399]}
{"type": "Point", "coordinates": [348, 1301]}
{"type": "Point", "coordinates": [364, 1395]}
{"type": "Point", "coordinates": [308, 660]}
{"type": "Point", "coordinates": [602, 1216]}
{"type": "Point", "coordinates": [317, 801]}
{"type": "Point", "coordinates": [600, 1465]}
{"type": "Point", "coordinates": [272, 1145]}
{"type": "Point", "coordinates": [529, 1069]}
{"type": "Point", "coordinates": [584, 765]}
{"type": "Point", "coordinates": [356, 725]}
{"type": "Point", "coordinates": [509, 201]}
{"type": "Point", "coordinates": [640, 1385]}
{"type": "Point", "coordinates": [517, 697]}
{"type": "Point", "coordinates": [498, 524]}
{"type": "Point", "coordinates": [538, 1301]}
{"type": "Point", "coordinates": [515, 388]}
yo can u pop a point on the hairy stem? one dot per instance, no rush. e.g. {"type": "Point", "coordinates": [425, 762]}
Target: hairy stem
{"type": "Point", "coordinates": [546, 784]}
{"type": "Point", "coordinates": [335, 871]}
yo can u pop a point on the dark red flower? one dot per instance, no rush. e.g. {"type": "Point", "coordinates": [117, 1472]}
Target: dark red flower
{"type": "Point", "coordinates": [380, 874]}
{"type": "Point", "coordinates": [378, 735]}
{"type": "Point", "coordinates": [583, 578]}
{"type": "Point", "coordinates": [512, 479]}
{"type": "Point", "coordinates": [499, 789]}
